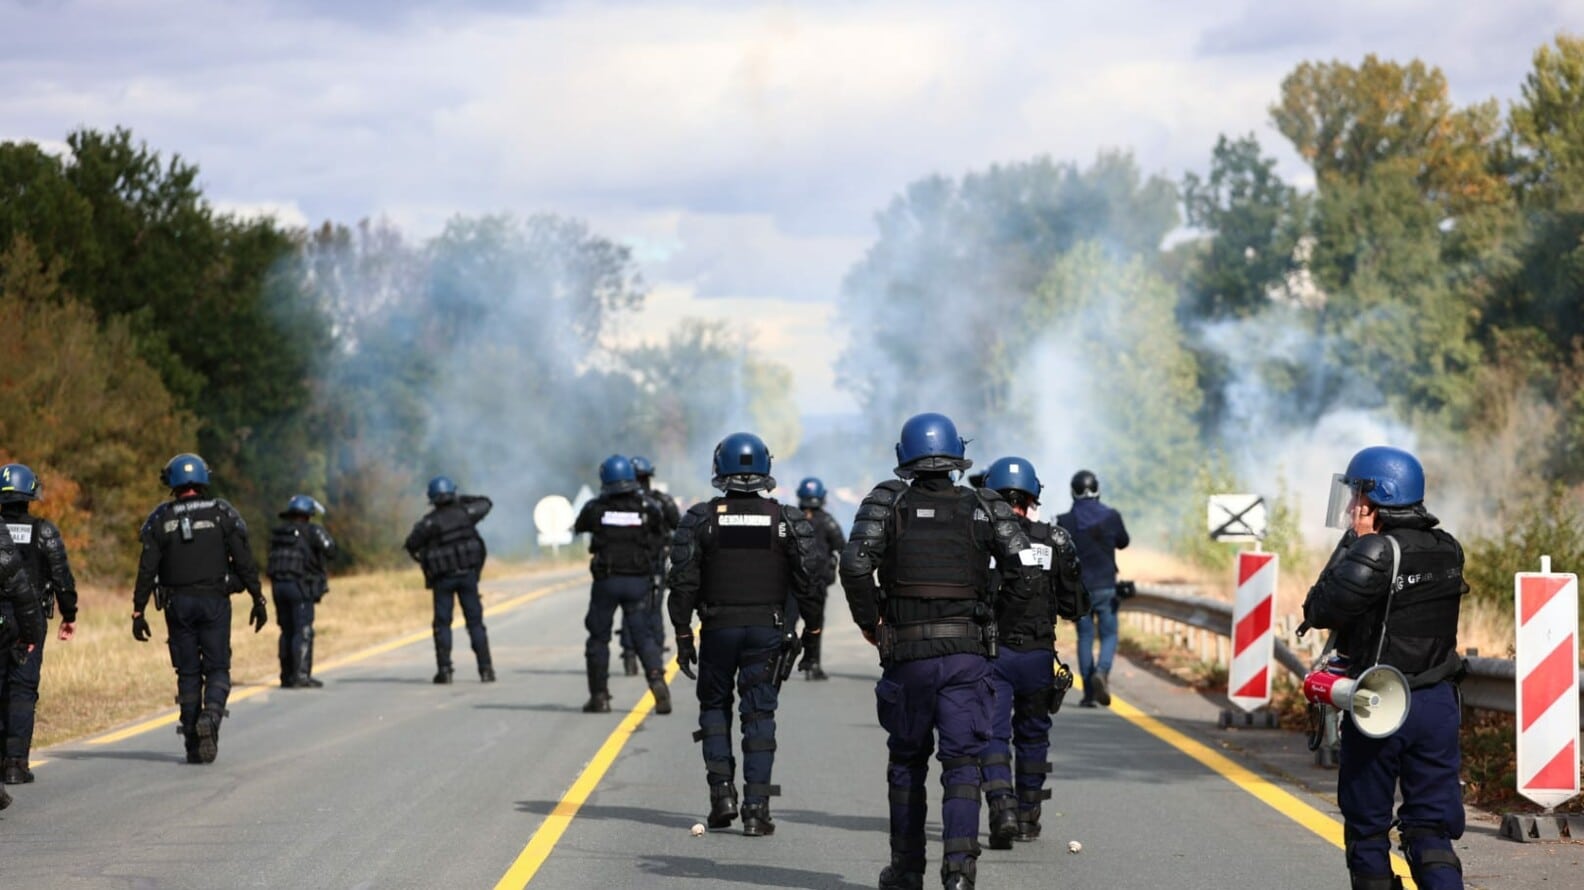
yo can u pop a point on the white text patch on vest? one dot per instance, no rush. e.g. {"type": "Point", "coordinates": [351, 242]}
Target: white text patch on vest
{"type": "Point", "coordinates": [621, 517]}
{"type": "Point", "coordinates": [744, 519]}
{"type": "Point", "coordinates": [20, 533]}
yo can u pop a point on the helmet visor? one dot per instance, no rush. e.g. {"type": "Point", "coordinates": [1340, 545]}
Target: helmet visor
{"type": "Point", "coordinates": [1339, 507]}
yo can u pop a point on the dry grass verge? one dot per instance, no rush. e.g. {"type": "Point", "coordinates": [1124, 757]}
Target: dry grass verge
{"type": "Point", "coordinates": [104, 678]}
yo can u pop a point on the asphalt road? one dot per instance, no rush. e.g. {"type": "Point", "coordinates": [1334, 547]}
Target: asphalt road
{"type": "Point", "coordinates": [382, 779]}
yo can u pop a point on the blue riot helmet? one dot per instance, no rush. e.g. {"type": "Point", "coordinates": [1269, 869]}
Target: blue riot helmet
{"type": "Point", "coordinates": [17, 483]}
{"type": "Point", "coordinates": [616, 475]}
{"type": "Point", "coordinates": [643, 468]}
{"type": "Point", "coordinates": [742, 463]}
{"type": "Point", "coordinates": [301, 505]}
{"type": "Point", "coordinates": [442, 490]}
{"type": "Point", "coordinates": [1383, 475]}
{"type": "Point", "coordinates": [1013, 474]}
{"type": "Point", "coordinates": [929, 442]}
{"type": "Point", "coordinates": [185, 470]}
{"type": "Point", "coordinates": [811, 493]}
{"type": "Point", "coordinates": [1085, 486]}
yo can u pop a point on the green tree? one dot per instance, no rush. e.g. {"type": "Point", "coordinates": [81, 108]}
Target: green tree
{"type": "Point", "coordinates": [1251, 218]}
{"type": "Point", "coordinates": [81, 407]}
{"type": "Point", "coordinates": [1411, 224]}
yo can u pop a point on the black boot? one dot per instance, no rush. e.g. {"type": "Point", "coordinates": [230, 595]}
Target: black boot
{"type": "Point", "coordinates": [486, 673]}
{"type": "Point", "coordinates": [443, 670]}
{"type": "Point", "coordinates": [896, 877]}
{"type": "Point", "coordinates": [598, 703]}
{"type": "Point", "coordinates": [486, 664]}
{"type": "Point", "coordinates": [207, 729]}
{"type": "Point", "coordinates": [5, 798]}
{"type": "Point", "coordinates": [662, 694]}
{"type": "Point", "coordinates": [723, 805]}
{"type": "Point", "coordinates": [958, 875]}
{"type": "Point", "coordinates": [1029, 823]}
{"type": "Point", "coordinates": [16, 771]}
{"type": "Point", "coordinates": [1003, 822]}
{"type": "Point", "coordinates": [811, 658]}
{"type": "Point", "coordinates": [756, 820]}
{"type": "Point", "coordinates": [630, 664]}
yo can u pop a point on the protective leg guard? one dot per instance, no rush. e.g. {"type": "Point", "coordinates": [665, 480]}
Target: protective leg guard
{"type": "Point", "coordinates": [1431, 860]}
{"type": "Point", "coordinates": [723, 805]}
{"type": "Point", "coordinates": [630, 663]}
{"type": "Point", "coordinates": [756, 820]}
{"type": "Point", "coordinates": [662, 694]}
{"type": "Point", "coordinates": [1375, 882]}
{"type": "Point", "coordinates": [959, 874]}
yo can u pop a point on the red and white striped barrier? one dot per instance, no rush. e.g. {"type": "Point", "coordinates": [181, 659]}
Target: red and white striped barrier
{"type": "Point", "coordinates": [1253, 641]}
{"type": "Point", "coordinates": [1548, 702]}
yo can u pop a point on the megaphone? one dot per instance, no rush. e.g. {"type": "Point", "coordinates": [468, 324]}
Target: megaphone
{"type": "Point", "coordinates": [1378, 699]}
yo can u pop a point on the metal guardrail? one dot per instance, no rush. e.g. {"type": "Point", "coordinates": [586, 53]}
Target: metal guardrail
{"type": "Point", "coordinates": [1490, 685]}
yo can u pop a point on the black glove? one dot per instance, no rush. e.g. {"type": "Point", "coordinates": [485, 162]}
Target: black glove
{"type": "Point", "coordinates": [140, 629]}
{"type": "Point", "coordinates": [687, 656]}
{"type": "Point", "coordinates": [259, 616]}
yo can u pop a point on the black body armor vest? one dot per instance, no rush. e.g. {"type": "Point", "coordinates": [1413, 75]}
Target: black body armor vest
{"type": "Point", "coordinates": [290, 554]}
{"type": "Point", "coordinates": [194, 558]}
{"type": "Point", "coordinates": [1421, 629]}
{"type": "Point", "coordinates": [457, 548]}
{"type": "Point", "coordinates": [932, 553]}
{"type": "Point", "coordinates": [744, 561]}
{"type": "Point", "coordinates": [24, 534]}
{"type": "Point", "coordinates": [624, 537]}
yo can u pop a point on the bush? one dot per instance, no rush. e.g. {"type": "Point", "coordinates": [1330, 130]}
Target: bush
{"type": "Point", "coordinates": [1546, 526]}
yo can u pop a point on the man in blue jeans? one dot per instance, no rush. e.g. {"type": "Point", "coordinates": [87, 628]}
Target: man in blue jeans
{"type": "Point", "coordinates": [1098, 533]}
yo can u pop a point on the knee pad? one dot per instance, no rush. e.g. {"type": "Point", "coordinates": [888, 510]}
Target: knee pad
{"type": "Point", "coordinates": [1428, 849]}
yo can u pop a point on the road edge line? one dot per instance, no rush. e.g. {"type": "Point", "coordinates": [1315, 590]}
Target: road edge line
{"type": "Point", "coordinates": [1257, 786]}
{"type": "Point", "coordinates": [543, 841]}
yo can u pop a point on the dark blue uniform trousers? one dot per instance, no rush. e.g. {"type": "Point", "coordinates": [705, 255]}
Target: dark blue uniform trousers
{"type": "Point", "coordinates": [630, 593]}
{"type": "Point", "coordinates": [294, 612]}
{"type": "Point", "coordinates": [1021, 720]}
{"type": "Point", "coordinates": [656, 626]}
{"type": "Point", "coordinates": [740, 656]}
{"type": "Point", "coordinates": [1423, 757]}
{"type": "Point", "coordinates": [464, 587]}
{"type": "Point", "coordinates": [952, 697]}
{"type": "Point", "coordinates": [19, 684]}
{"type": "Point", "coordinates": [200, 650]}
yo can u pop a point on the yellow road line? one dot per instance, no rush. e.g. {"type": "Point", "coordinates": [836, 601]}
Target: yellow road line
{"type": "Point", "coordinates": [549, 832]}
{"type": "Point", "coordinates": [1267, 792]}
{"type": "Point", "coordinates": [169, 718]}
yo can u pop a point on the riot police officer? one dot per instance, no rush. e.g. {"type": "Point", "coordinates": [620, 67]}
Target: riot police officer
{"type": "Point", "coordinates": [298, 552]}
{"type": "Point", "coordinates": [22, 624]}
{"type": "Point", "coordinates": [446, 544]}
{"type": "Point", "coordinates": [1024, 673]}
{"type": "Point", "coordinates": [195, 555]}
{"type": "Point", "coordinates": [1390, 594]}
{"type": "Point", "coordinates": [735, 558]}
{"type": "Point", "coordinates": [44, 555]}
{"type": "Point", "coordinates": [930, 616]}
{"type": "Point", "coordinates": [644, 469]}
{"type": "Point", "coordinates": [622, 524]}
{"type": "Point", "coordinates": [828, 544]}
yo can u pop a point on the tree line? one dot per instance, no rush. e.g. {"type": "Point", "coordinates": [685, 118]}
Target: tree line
{"type": "Point", "coordinates": [1433, 273]}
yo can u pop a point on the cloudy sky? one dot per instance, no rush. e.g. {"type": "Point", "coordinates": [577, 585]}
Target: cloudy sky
{"type": "Point", "coordinates": [741, 148]}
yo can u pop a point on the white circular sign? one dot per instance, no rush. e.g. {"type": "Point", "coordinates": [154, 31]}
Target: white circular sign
{"type": "Point", "coordinates": [553, 515]}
